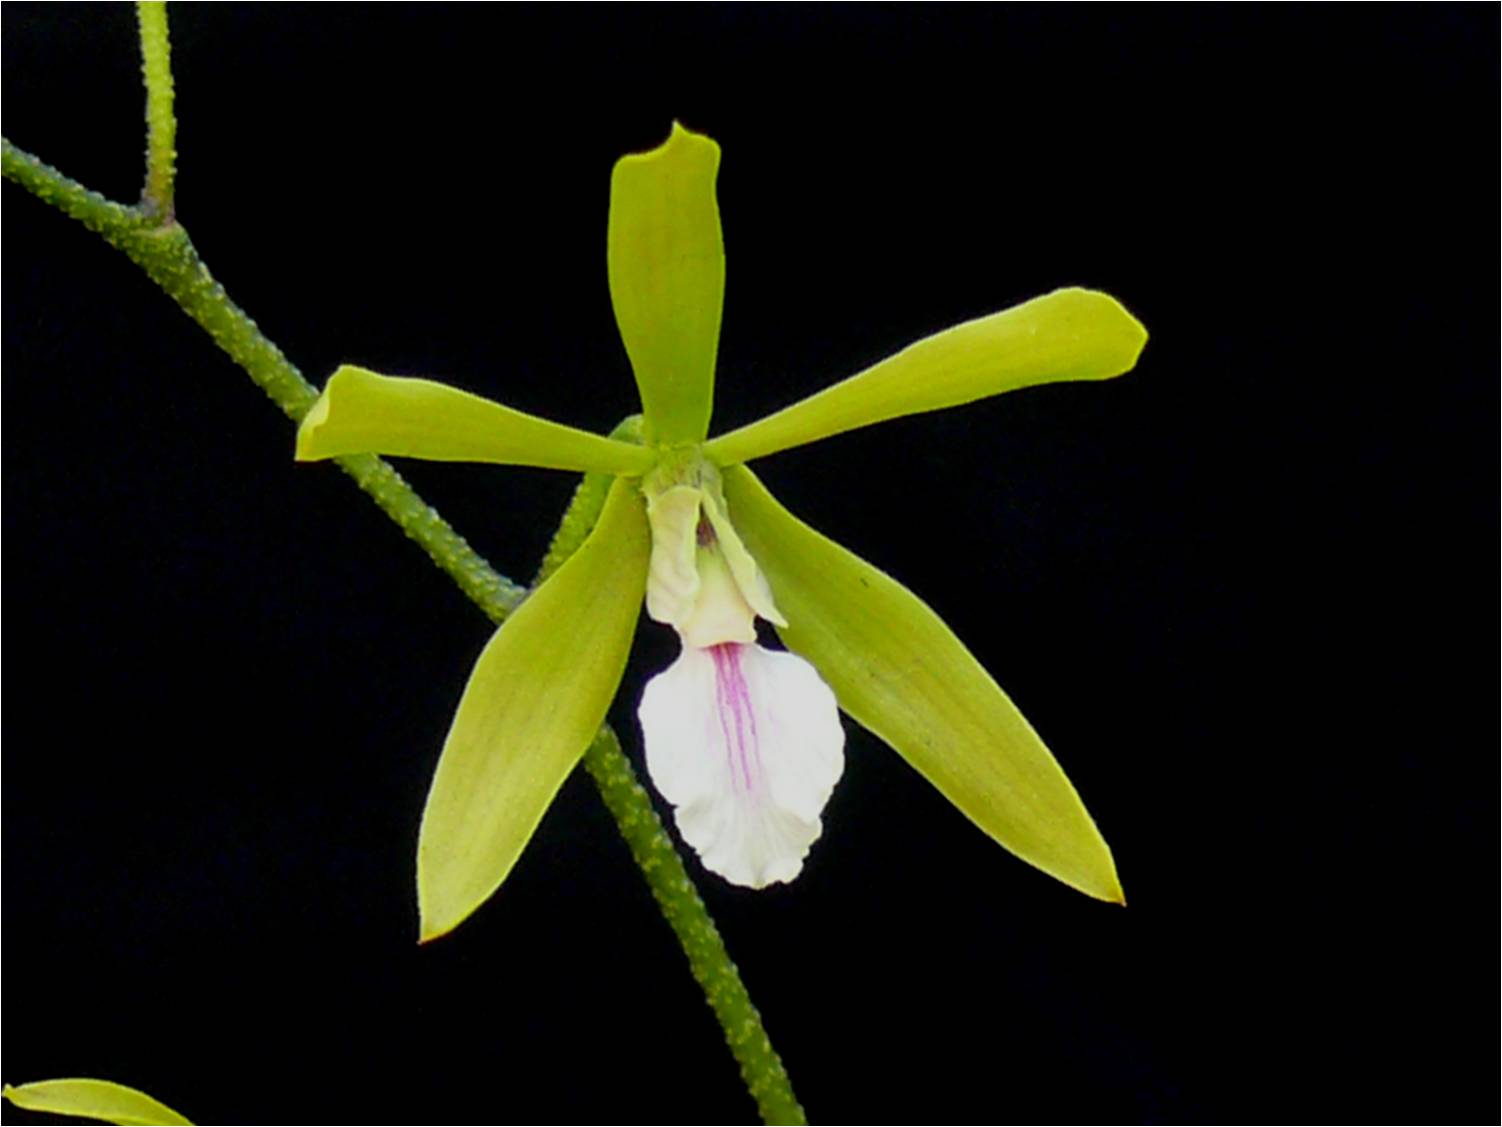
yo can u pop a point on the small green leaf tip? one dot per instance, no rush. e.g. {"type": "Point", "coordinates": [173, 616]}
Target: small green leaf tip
{"type": "Point", "coordinates": [103, 1100]}
{"type": "Point", "coordinates": [666, 261]}
{"type": "Point", "coordinates": [1070, 334]}
{"type": "Point", "coordinates": [362, 412]}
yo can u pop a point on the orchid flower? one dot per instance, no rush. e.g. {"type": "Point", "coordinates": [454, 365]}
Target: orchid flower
{"type": "Point", "coordinates": [745, 742]}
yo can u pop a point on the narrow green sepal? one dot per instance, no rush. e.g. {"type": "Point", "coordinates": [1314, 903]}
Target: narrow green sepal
{"type": "Point", "coordinates": [363, 412]}
{"type": "Point", "coordinates": [666, 260]}
{"type": "Point", "coordinates": [1070, 334]}
{"type": "Point", "coordinates": [537, 696]}
{"type": "Point", "coordinates": [103, 1100]}
{"type": "Point", "coordinates": [900, 672]}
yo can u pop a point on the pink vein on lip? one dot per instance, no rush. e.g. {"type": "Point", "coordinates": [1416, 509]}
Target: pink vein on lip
{"type": "Point", "coordinates": [737, 721]}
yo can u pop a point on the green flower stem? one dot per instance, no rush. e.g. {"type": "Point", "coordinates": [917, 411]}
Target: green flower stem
{"type": "Point", "coordinates": [761, 1068]}
{"type": "Point", "coordinates": [168, 257]}
{"type": "Point", "coordinates": [165, 253]}
{"type": "Point", "coordinates": [161, 122]}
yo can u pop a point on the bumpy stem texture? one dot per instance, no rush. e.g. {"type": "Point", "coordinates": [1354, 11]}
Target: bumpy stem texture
{"type": "Point", "coordinates": [761, 1068]}
{"type": "Point", "coordinates": [161, 122]}
{"type": "Point", "coordinates": [163, 250]}
{"type": "Point", "coordinates": [165, 253]}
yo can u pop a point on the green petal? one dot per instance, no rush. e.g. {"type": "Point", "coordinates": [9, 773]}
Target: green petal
{"type": "Point", "coordinates": [1066, 335]}
{"type": "Point", "coordinates": [93, 1099]}
{"type": "Point", "coordinates": [361, 412]}
{"type": "Point", "coordinates": [900, 672]}
{"type": "Point", "coordinates": [536, 698]}
{"type": "Point", "coordinates": [667, 280]}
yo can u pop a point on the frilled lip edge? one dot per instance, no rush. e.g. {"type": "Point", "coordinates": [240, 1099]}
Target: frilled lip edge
{"type": "Point", "coordinates": [746, 743]}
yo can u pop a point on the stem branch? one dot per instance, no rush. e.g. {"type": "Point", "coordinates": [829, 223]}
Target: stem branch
{"type": "Point", "coordinates": [168, 257]}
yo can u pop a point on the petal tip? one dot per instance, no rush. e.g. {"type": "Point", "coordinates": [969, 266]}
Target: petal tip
{"type": "Point", "coordinates": [680, 138]}
{"type": "Point", "coordinates": [306, 449]}
{"type": "Point", "coordinates": [442, 901]}
{"type": "Point", "coordinates": [309, 447]}
{"type": "Point", "coordinates": [1113, 893]}
{"type": "Point", "coordinates": [1132, 333]}
{"type": "Point", "coordinates": [681, 134]}
{"type": "Point", "coordinates": [1136, 332]}
{"type": "Point", "coordinates": [1105, 887]}
{"type": "Point", "coordinates": [762, 880]}
{"type": "Point", "coordinates": [434, 924]}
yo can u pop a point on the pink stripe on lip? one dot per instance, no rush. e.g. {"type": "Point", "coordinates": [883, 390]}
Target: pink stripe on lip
{"type": "Point", "coordinates": [737, 719]}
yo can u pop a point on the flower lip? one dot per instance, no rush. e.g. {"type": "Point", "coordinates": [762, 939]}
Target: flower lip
{"type": "Point", "coordinates": [747, 745]}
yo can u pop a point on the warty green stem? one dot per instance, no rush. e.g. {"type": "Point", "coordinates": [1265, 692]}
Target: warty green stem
{"type": "Point", "coordinates": [716, 973]}
{"type": "Point", "coordinates": [165, 253]}
{"type": "Point", "coordinates": [761, 1068]}
{"type": "Point", "coordinates": [161, 121]}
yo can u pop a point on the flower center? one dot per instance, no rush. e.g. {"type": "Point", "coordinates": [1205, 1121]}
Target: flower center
{"type": "Point", "coordinates": [702, 581]}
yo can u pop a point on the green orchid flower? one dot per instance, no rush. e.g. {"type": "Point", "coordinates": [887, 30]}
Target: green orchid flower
{"type": "Point", "coordinates": [743, 741]}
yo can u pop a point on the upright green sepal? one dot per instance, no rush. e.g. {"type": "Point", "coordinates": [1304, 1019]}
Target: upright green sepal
{"type": "Point", "coordinates": [902, 674]}
{"type": "Point", "coordinates": [666, 260]}
{"type": "Point", "coordinates": [1070, 334]}
{"type": "Point", "coordinates": [363, 412]}
{"type": "Point", "coordinates": [536, 698]}
{"type": "Point", "coordinates": [103, 1100]}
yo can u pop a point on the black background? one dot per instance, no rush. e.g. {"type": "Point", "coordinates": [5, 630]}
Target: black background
{"type": "Point", "coordinates": [1245, 592]}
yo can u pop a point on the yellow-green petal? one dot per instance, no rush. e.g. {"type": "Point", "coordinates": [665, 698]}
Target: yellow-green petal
{"type": "Point", "coordinates": [94, 1099]}
{"type": "Point", "coordinates": [362, 412]}
{"type": "Point", "coordinates": [901, 673]}
{"type": "Point", "coordinates": [667, 280]}
{"type": "Point", "coordinates": [1070, 334]}
{"type": "Point", "coordinates": [537, 696]}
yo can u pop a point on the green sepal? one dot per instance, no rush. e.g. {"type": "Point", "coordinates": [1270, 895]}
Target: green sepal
{"type": "Point", "coordinates": [362, 412]}
{"type": "Point", "coordinates": [901, 673]}
{"type": "Point", "coordinates": [666, 260]}
{"type": "Point", "coordinates": [94, 1099]}
{"type": "Point", "coordinates": [537, 696]}
{"type": "Point", "coordinates": [1070, 334]}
